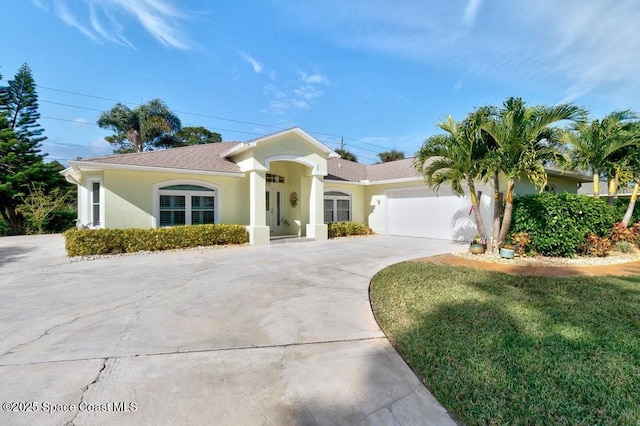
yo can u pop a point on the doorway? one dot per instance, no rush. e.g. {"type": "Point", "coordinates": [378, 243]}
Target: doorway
{"type": "Point", "coordinates": [274, 210]}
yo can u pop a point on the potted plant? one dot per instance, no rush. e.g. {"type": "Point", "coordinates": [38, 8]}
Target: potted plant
{"type": "Point", "coordinates": [508, 251]}
{"type": "Point", "coordinates": [478, 245]}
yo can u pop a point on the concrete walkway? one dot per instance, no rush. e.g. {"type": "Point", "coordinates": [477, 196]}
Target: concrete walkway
{"type": "Point", "coordinates": [270, 335]}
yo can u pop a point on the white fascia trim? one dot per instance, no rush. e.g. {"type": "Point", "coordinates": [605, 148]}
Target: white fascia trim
{"type": "Point", "coordinates": [72, 176]}
{"type": "Point", "coordinates": [297, 130]}
{"type": "Point", "coordinates": [377, 182]}
{"type": "Point", "coordinates": [296, 159]}
{"type": "Point", "coordinates": [91, 166]}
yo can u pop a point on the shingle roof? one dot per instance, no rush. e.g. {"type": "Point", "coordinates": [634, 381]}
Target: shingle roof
{"type": "Point", "coordinates": [344, 170]}
{"type": "Point", "coordinates": [196, 157]}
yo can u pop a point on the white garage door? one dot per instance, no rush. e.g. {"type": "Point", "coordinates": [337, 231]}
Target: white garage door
{"type": "Point", "coordinates": [417, 212]}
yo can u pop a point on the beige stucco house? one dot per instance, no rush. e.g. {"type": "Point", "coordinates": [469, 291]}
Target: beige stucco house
{"type": "Point", "coordinates": [284, 184]}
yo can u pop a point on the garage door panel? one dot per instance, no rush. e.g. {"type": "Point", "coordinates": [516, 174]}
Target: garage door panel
{"type": "Point", "coordinates": [419, 213]}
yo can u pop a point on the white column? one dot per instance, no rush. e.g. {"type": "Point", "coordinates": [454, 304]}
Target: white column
{"type": "Point", "coordinates": [258, 231]}
{"type": "Point", "coordinates": [316, 228]}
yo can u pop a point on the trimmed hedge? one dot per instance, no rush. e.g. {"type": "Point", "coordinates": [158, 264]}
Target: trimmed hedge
{"type": "Point", "coordinates": [88, 242]}
{"type": "Point", "coordinates": [344, 229]}
{"type": "Point", "coordinates": [559, 224]}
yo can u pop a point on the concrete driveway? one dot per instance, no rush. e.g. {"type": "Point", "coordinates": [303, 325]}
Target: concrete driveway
{"type": "Point", "coordinates": [269, 335]}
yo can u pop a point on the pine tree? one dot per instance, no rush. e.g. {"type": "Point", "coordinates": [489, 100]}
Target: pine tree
{"type": "Point", "coordinates": [21, 161]}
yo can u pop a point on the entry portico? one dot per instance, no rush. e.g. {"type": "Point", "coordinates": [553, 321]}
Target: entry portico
{"type": "Point", "coordinates": [290, 162]}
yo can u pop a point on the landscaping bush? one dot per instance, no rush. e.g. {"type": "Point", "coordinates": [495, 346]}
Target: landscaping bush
{"type": "Point", "coordinates": [596, 246]}
{"type": "Point", "coordinates": [87, 242]}
{"type": "Point", "coordinates": [559, 224]}
{"type": "Point", "coordinates": [344, 229]}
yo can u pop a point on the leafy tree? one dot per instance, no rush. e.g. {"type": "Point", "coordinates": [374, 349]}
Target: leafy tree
{"type": "Point", "coordinates": [196, 136]}
{"type": "Point", "coordinates": [526, 143]}
{"type": "Point", "coordinates": [455, 159]}
{"type": "Point", "coordinates": [392, 155]}
{"type": "Point", "coordinates": [347, 155]}
{"type": "Point", "coordinates": [597, 146]}
{"type": "Point", "coordinates": [146, 127]}
{"type": "Point", "coordinates": [21, 162]}
{"type": "Point", "coordinates": [38, 206]}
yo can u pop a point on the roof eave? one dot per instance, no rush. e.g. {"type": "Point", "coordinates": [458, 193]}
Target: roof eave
{"type": "Point", "coordinates": [93, 166]}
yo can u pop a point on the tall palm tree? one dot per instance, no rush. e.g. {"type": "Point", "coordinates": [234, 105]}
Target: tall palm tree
{"type": "Point", "coordinates": [526, 142]}
{"type": "Point", "coordinates": [147, 126]}
{"type": "Point", "coordinates": [454, 159]}
{"type": "Point", "coordinates": [596, 147]}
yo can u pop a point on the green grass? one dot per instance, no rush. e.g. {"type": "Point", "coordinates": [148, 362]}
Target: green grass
{"type": "Point", "coordinates": [502, 349]}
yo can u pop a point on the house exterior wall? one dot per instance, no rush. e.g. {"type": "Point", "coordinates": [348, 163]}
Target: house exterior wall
{"type": "Point", "coordinates": [560, 184]}
{"type": "Point", "coordinates": [129, 196]}
{"type": "Point", "coordinates": [359, 199]}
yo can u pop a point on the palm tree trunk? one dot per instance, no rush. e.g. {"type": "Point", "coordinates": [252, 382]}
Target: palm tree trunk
{"type": "Point", "coordinates": [508, 209]}
{"type": "Point", "coordinates": [596, 183]}
{"type": "Point", "coordinates": [611, 192]}
{"type": "Point", "coordinates": [631, 206]}
{"type": "Point", "coordinates": [477, 214]}
{"type": "Point", "coordinates": [495, 235]}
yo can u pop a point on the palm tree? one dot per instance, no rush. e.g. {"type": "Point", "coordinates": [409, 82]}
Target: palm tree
{"type": "Point", "coordinates": [596, 146]}
{"type": "Point", "coordinates": [147, 126]}
{"type": "Point", "coordinates": [346, 155]}
{"type": "Point", "coordinates": [454, 159]}
{"type": "Point", "coordinates": [392, 155]}
{"type": "Point", "coordinates": [526, 142]}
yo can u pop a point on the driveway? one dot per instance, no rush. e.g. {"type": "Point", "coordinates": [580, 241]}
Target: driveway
{"type": "Point", "coordinates": [268, 335]}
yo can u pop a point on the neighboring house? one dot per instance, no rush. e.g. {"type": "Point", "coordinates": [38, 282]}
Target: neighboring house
{"type": "Point", "coordinates": [287, 183]}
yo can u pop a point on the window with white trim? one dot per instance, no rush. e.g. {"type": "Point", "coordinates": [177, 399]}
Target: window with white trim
{"type": "Point", "coordinates": [186, 205]}
{"type": "Point", "coordinates": [337, 207]}
{"type": "Point", "coordinates": [95, 203]}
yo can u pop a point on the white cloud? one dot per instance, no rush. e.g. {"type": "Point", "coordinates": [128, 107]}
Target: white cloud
{"type": "Point", "coordinates": [257, 66]}
{"type": "Point", "coordinates": [300, 95]}
{"type": "Point", "coordinates": [101, 20]}
{"type": "Point", "coordinates": [573, 48]}
{"type": "Point", "coordinates": [471, 12]}
{"type": "Point", "coordinates": [80, 121]}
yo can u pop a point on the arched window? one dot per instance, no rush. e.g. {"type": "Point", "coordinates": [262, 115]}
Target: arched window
{"type": "Point", "coordinates": [550, 188]}
{"type": "Point", "coordinates": [337, 207]}
{"type": "Point", "coordinates": [186, 205]}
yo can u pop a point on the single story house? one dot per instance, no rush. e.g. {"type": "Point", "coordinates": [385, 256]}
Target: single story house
{"type": "Point", "coordinates": [284, 184]}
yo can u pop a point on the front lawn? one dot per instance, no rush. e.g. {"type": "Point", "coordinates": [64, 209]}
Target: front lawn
{"type": "Point", "coordinates": [502, 349]}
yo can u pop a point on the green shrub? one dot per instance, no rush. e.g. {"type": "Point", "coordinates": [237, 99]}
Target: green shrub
{"type": "Point", "coordinates": [623, 247]}
{"type": "Point", "coordinates": [559, 224]}
{"type": "Point", "coordinates": [621, 205]}
{"type": "Point", "coordinates": [87, 242]}
{"type": "Point", "coordinates": [344, 229]}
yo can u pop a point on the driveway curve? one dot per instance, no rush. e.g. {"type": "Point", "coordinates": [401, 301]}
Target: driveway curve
{"type": "Point", "coordinates": [250, 335]}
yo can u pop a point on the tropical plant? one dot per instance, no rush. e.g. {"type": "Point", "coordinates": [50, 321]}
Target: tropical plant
{"type": "Point", "coordinates": [455, 159]}
{"type": "Point", "coordinates": [21, 160]}
{"type": "Point", "coordinates": [526, 143]}
{"type": "Point", "coordinates": [392, 155]}
{"type": "Point", "coordinates": [148, 126]}
{"type": "Point", "coordinates": [596, 146]}
{"type": "Point", "coordinates": [196, 136]}
{"type": "Point", "coordinates": [346, 155]}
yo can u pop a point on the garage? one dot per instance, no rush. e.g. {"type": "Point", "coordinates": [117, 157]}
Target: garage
{"type": "Point", "coordinates": [418, 212]}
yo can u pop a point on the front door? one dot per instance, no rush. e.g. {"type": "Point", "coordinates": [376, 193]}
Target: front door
{"type": "Point", "coordinates": [274, 212]}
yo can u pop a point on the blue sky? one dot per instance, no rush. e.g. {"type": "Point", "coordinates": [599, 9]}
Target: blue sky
{"type": "Point", "coordinates": [380, 74]}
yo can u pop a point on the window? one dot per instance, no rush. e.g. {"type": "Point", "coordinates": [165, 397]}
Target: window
{"type": "Point", "coordinates": [95, 203]}
{"type": "Point", "coordinates": [186, 205]}
{"type": "Point", "coordinates": [337, 207]}
{"type": "Point", "coordinates": [274, 178]}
